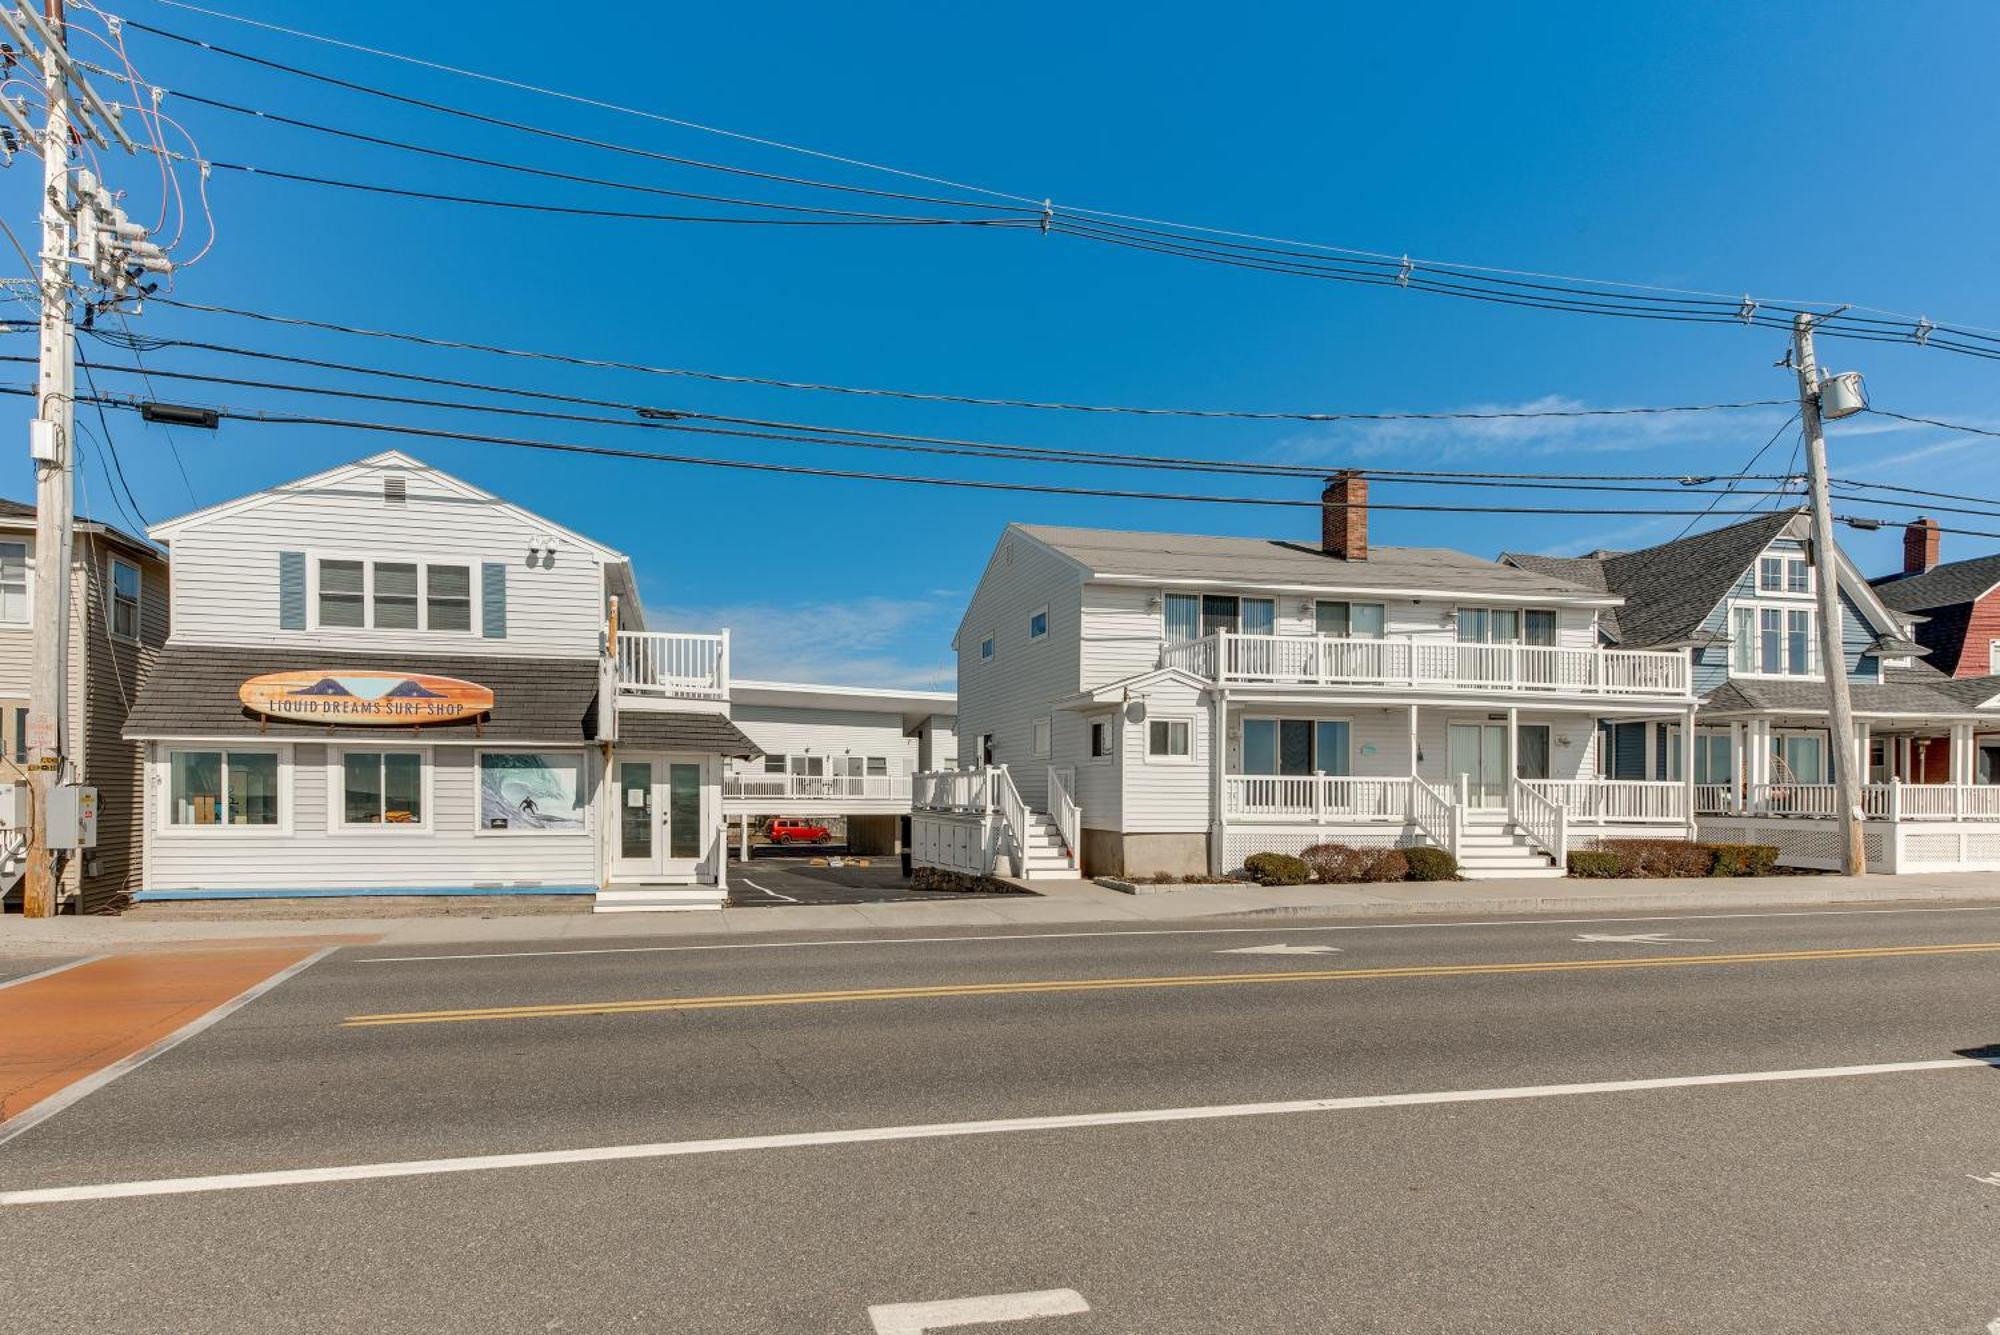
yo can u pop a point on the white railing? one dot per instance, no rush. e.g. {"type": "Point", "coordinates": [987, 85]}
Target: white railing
{"type": "Point", "coordinates": [1013, 809]}
{"type": "Point", "coordinates": [1314, 797]}
{"type": "Point", "coordinates": [1432, 664]}
{"type": "Point", "coordinates": [954, 790]}
{"type": "Point", "coordinates": [1063, 809]}
{"type": "Point", "coordinates": [1714, 799]}
{"type": "Point", "coordinates": [816, 788]}
{"type": "Point", "coordinates": [1615, 801]}
{"type": "Point", "coordinates": [1441, 819]}
{"type": "Point", "coordinates": [1894, 801]}
{"type": "Point", "coordinates": [673, 665]}
{"type": "Point", "coordinates": [1544, 820]}
{"type": "Point", "coordinates": [1792, 799]}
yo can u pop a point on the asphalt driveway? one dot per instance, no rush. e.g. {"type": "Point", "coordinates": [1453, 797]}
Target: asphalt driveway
{"type": "Point", "coordinates": [774, 878]}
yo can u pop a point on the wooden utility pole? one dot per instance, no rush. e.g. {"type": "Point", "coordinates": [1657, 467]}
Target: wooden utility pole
{"type": "Point", "coordinates": [50, 445]}
{"type": "Point", "coordinates": [1826, 567]}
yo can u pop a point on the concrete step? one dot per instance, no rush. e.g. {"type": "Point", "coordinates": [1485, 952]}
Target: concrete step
{"type": "Point", "coordinates": [659, 899]}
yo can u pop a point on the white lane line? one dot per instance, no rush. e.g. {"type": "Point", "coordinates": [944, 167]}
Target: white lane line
{"type": "Point", "coordinates": [69, 1094]}
{"type": "Point", "coordinates": [44, 973]}
{"type": "Point", "coordinates": [760, 889]}
{"type": "Point", "coordinates": [1153, 931]}
{"type": "Point", "coordinates": [917, 1318]}
{"type": "Point", "coordinates": [180, 1186]}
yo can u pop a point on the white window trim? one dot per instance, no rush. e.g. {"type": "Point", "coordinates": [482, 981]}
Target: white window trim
{"type": "Point", "coordinates": [589, 803]}
{"type": "Point", "coordinates": [1241, 598]}
{"type": "Point", "coordinates": [1261, 716]}
{"type": "Point", "coordinates": [989, 647]}
{"type": "Point", "coordinates": [163, 786]}
{"type": "Point", "coordinates": [27, 547]}
{"type": "Point", "coordinates": [1788, 560]}
{"type": "Point", "coordinates": [1520, 611]}
{"type": "Point", "coordinates": [1109, 723]}
{"type": "Point", "coordinates": [111, 602]}
{"type": "Point", "coordinates": [1350, 604]}
{"type": "Point", "coordinates": [336, 791]}
{"type": "Point", "coordinates": [368, 563]}
{"type": "Point", "coordinates": [1758, 606]}
{"type": "Point", "coordinates": [1043, 613]}
{"type": "Point", "coordinates": [1042, 737]}
{"type": "Point", "coordinates": [1165, 758]}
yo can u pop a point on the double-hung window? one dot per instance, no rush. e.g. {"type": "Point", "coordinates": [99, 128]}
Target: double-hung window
{"type": "Point", "coordinates": [382, 788]}
{"type": "Point", "coordinates": [1343, 620]}
{"type": "Point", "coordinates": [14, 581]}
{"type": "Point", "coordinates": [986, 650]}
{"type": "Point", "coordinates": [1040, 738]}
{"type": "Point", "coordinates": [1038, 623]}
{"type": "Point", "coordinates": [227, 788]}
{"type": "Point", "coordinates": [357, 594]}
{"type": "Point", "coordinates": [1168, 739]}
{"type": "Point", "coordinates": [1773, 641]}
{"type": "Point", "coordinates": [124, 600]}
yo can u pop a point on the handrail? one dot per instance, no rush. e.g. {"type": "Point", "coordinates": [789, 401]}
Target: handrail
{"type": "Point", "coordinates": [1545, 822]}
{"type": "Point", "coordinates": [1437, 816]}
{"type": "Point", "coordinates": [1013, 815]}
{"type": "Point", "coordinates": [955, 790]}
{"type": "Point", "coordinates": [1315, 797]}
{"type": "Point", "coordinates": [1067, 815]}
{"type": "Point", "coordinates": [1436, 662]}
{"type": "Point", "coordinates": [1616, 800]}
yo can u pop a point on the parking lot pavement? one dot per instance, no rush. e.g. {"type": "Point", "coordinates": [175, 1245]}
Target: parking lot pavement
{"type": "Point", "coordinates": [774, 879]}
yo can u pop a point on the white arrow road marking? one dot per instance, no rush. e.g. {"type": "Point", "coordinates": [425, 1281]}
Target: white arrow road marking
{"type": "Point", "coordinates": [1281, 949]}
{"type": "Point", "coordinates": [1993, 1326]}
{"type": "Point", "coordinates": [916, 1318]}
{"type": "Point", "coordinates": [1990, 1179]}
{"type": "Point", "coordinates": [1643, 939]}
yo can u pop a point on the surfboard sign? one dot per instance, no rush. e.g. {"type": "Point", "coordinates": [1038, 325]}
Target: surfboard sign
{"type": "Point", "coordinates": [400, 699]}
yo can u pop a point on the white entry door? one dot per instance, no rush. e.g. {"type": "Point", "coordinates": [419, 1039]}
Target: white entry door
{"type": "Point", "coordinates": [661, 829]}
{"type": "Point", "coordinates": [1479, 752]}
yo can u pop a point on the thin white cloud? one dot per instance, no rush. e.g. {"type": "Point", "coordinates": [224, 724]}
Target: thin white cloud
{"type": "Point", "coordinates": [1461, 439]}
{"type": "Point", "coordinates": [870, 641]}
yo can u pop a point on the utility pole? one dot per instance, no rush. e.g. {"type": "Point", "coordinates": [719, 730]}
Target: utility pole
{"type": "Point", "coordinates": [1826, 566]}
{"type": "Point", "coordinates": [50, 444]}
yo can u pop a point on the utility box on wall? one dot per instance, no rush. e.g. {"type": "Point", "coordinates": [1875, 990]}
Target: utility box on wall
{"type": "Point", "coordinates": [72, 816]}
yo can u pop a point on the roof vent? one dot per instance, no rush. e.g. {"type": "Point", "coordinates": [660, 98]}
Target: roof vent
{"type": "Point", "coordinates": [395, 490]}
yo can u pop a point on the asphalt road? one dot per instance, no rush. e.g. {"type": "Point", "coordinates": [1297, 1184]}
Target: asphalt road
{"type": "Point", "coordinates": [1846, 1203]}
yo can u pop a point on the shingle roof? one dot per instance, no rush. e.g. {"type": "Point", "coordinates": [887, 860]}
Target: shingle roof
{"type": "Point", "coordinates": [1669, 589]}
{"type": "Point", "coordinates": [1116, 553]}
{"type": "Point", "coordinates": [192, 693]}
{"type": "Point", "coordinates": [709, 733]}
{"type": "Point", "coordinates": [1918, 689]}
{"type": "Point", "coordinates": [1941, 586]}
{"type": "Point", "coordinates": [13, 512]}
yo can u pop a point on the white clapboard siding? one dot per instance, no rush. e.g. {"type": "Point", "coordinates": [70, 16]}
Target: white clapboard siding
{"type": "Point", "coordinates": [1006, 695]}
{"type": "Point", "coordinates": [225, 585]}
{"type": "Point", "coordinates": [1100, 782]}
{"type": "Point", "coordinates": [1160, 795]}
{"type": "Point", "coordinates": [789, 730]}
{"type": "Point", "coordinates": [451, 854]}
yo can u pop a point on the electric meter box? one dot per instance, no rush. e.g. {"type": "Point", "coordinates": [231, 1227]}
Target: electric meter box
{"type": "Point", "coordinates": [72, 816]}
{"type": "Point", "coordinates": [13, 806]}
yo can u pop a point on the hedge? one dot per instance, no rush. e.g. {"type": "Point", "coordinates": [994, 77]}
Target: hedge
{"type": "Point", "coordinates": [1649, 859]}
{"type": "Point", "coordinates": [1430, 864]}
{"type": "Point", "coordinates": [1277, 869]}
{"type": "Point", "coordinates": [1343, 864]}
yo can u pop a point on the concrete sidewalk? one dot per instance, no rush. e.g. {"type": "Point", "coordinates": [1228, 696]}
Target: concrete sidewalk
{"type": "Point", "coordinates": [1052, 903]}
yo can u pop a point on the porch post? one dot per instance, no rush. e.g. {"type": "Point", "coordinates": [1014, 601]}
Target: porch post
{"type": "Point", "coordinates": [1958, 753]}
{"type": "Point", "coordinates": [1861, 747]}
{"type": "Point", "coordinates": [1513, 749]}
{"type": "Point", "coordinates": [1218, 746]}
{"type": "Point", "coordinates": [1738, 780]}
{"type": "Point", "coordinates": [1687, 769]}
{"type": "Point", "coordinates": [1414, 742]}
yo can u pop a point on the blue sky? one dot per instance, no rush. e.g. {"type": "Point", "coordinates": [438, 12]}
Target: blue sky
{"type": "Point", "coordinates": [1843, 155]}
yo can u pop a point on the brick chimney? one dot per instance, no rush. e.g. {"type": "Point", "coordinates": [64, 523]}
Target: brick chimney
{"type": "Point", "coordinates": [1920, 545]}
{"type": "Point", "coordinates": [1343, 517]}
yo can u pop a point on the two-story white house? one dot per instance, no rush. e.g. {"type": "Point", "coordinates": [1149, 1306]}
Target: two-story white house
{"type": "Point", "coordinates": [1741, 602]}
{"type": "Point", "coordinates": [845, 752]}
{"type": "Point", "coordinates": [383, 680]}
{"type": "Point", "coordinates": [1146, 703]}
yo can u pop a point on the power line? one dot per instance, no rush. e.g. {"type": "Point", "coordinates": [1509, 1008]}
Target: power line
{"type": "Point", "coordinates": [1920, 330]}
{"type": "Point", "coordinates": [769, 382]}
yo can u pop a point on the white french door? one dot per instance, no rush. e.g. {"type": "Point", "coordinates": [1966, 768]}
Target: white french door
{"type": "Point", "coordinates": [1478, 751]}
{"type": "Point", "coordinates": [661, 827]}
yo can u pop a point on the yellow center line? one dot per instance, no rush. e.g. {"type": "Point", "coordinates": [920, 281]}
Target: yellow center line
{"type": "Point", "coordinates": [648, 1005]}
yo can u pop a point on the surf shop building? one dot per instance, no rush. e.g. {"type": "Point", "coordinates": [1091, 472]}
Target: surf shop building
{"type": "Point", "coordinates": [382, 680]}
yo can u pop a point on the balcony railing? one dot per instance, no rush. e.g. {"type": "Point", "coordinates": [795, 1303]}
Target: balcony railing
{"type": "Point", "coordinates": [1615, 801]}
{"type": "Point", "coordinates": [1430, 664]}
{"type": "Point", "coordinates": [1879, 801]}
{"type": "Point", "coordinates": [673, 666]}
{"type": "Point", "coordinates": [806, 789]}
{"type": "Point", "coordinates": [1314, 797]}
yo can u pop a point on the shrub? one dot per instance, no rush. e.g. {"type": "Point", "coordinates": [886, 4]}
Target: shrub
{"type": "Point", "coordinates": [1744, 859]}
{"type": "Point", "coordinates": [1430, 864]}
{"type": "Point", "coordinates": [1593, 863]}
{"type": "Point", "coordinates": [1277, 869]}
{"type": "Point", "coordinates": [1385, 864]}
{"type": "Point", "coordinates": [1654, 858]}
{"type": "Point", "coordinates": [1336, 863]}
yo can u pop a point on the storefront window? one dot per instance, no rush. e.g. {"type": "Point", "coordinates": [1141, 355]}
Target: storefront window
{"type": "Point", "coordinates": [382, 788]}
{"type": "Point", "coordinates": [223, 788]}
{"type": "Point", "coordinates": [531, 791]}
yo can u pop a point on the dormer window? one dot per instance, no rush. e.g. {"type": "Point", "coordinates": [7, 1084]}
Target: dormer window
{"type": "Point", "coordinates": [1784, 574]}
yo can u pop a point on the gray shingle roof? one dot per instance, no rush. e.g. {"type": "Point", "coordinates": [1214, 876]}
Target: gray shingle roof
{"type": "Point", "coordinates": [1912, 690]}
{"type": "Point", "coordinates": [1116, 553]}
{"type": "Point", "coordinates": [1669, 589]}
{"type": "Point", "coordinates": [1941, 586]}
{"type": "Point", "coordinates": [192, 693]}
{"type": "Point", "coordinates": [709, 733]}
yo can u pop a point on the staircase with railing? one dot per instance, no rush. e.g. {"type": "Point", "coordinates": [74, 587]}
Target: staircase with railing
{"type": "Point", "coordinates": [1015, 837]}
